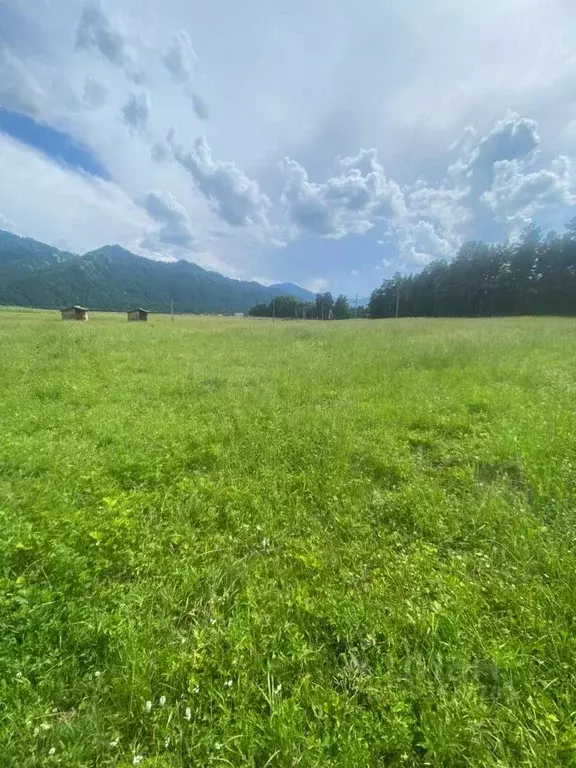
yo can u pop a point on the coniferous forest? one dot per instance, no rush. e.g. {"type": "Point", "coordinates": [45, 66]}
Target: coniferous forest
{"type": "Point", "coordinates": [535, 275]}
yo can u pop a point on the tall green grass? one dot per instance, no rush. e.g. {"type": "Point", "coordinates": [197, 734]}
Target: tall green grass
{"type": "Point", "coordinates": [233, 542]}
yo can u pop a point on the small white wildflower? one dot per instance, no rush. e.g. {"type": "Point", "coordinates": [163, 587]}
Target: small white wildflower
{"type": "Point", "coordinates": [97, 673]}
{"type": "Point", "coordinates": [167, 742]}
{"type": "Point", "coordinates": [265, 543]}
{"type": "Point", "coordinates": [36, 731]}
{"type": "Point", "coordinates": [45, 726]}
{"type": "Point", "coordinates": [218, 745]}
{"type": "Point", "coordinates": [19, 675]}
{"type": "Point", "coordinates": [188, 714]}
{"type": "Point", "coordinates": [148, 707]}
{"type": "Point", "coordinates": [196, 689]}
{"type": "Point", "coordinates": [212, 621]}
{"type": "Point", "coordinates": [52, 751]}
{"type": "Point", "coordinates": [137, 759]}
{"type": "Point", "coordinates": [114, 743]}
{"type": "Point", "coordinates": [162, 700]}
{"type": "Point", "coordinates": [278, 689]}
{"type": "Point", "coordinates": [228, 683]}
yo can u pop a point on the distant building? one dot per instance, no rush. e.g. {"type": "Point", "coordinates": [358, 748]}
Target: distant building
{"type": "Point", "coordinates": [138, 315]}
{"type": "Point", "coordinates": [75, 313]}
{"type": "Point", "coordinates": [238, 314]}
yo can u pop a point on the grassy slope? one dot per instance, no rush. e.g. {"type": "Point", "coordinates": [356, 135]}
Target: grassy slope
{"type": "Point", "coordinates": [325, 544]}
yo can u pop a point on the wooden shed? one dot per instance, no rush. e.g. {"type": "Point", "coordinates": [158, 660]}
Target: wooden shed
{"type": "Point", "coordinates": [75, 313]}
{"type": "Point", "coordinates": [138, 315]}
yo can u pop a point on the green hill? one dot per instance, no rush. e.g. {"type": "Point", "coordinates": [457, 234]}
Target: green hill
{"type": "Point", "coordinates": [112, 278]}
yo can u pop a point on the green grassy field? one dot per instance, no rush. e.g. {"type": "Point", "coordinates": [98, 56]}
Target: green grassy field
{"type": "Point", "coordinates": [230, 542]}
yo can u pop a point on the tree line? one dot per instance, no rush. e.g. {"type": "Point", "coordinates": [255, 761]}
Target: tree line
{"type": "Point", "coordinates": [534, 275]}
{"type": "Point", "coordinates": [325, 307]}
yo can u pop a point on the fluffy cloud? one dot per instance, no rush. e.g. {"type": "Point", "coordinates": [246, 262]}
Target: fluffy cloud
{"type": "Point", "coordinates": [317, 285]}
{"type": "Point", "coordinates": [233, 195]}
{"type": "Point", "coordinates": [510, 139]}
{"type": "Point", "coordinates": [349, 203]}
{"type": "Point", "coordinates": [181, 59]}
{"type": "Point", "coordinates": [200, 106]}
{"type": "Point", "coordinates": [176, 229]}
{"type": "Point", "coordinates": [96, 33]}
{"type": "Point", "coordinates": [94, 95]}
{"type": "Point", "coordinates": [493, 189]}
{"type": "Point", "coordinates": [516, 194]}
{"type": "Point", "coordinates": [420, 242]}
{"type": "Point", "coordinates": [19, 90]}
{"type": "Point", "coordinates": [136, 111]}
{"type": "Point", "coordinates": [50, 202]}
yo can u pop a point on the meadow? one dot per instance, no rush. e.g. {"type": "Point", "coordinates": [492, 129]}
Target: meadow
{"type": "Point", "coordinates": [233, 542]}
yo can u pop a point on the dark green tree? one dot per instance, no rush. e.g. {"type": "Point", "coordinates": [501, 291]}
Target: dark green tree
{"type": "Point", "coordinates": [341, 308]}
{"type": "Point", "coordinates": [534, 274]}
{"type": "Point", "coordinates": [286, 307]}
{"type": "Point", "coordinates": [260, 310]}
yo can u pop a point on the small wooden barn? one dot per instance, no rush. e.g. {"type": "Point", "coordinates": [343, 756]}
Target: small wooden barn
{"type": "Point", "coordinates": [138, 315]}
{"type": "Point", "coordinates": [75, 313]}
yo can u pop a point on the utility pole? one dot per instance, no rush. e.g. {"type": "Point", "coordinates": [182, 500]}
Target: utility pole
{"type": "Point", "coordinates": [398, 301]}
{"type": "Point", "coordinates": [172, 309]}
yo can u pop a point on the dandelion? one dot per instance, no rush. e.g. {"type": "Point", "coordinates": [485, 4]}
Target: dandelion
{"type": "Point", "coordinates": [148, 707]}
{"type": "Point", "coordinates": [188, 714]}
{"type": "Point", "coordinates": [228, 683]}
{"type": "Point", "coordinates": [137, 759]}
{"type": "Point", "coordinates": [162, 700]}
{"type": "Point", "coordinates": [52, 751]}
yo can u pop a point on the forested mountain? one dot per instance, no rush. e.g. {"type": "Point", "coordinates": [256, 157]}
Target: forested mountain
{"type": "Point", "coordinates": [535, 275]}
{"type": "Point", "coordinates": [35, 274]}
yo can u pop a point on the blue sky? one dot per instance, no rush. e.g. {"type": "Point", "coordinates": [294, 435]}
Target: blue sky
{"type": "Point", "coordinates": [319, 143]}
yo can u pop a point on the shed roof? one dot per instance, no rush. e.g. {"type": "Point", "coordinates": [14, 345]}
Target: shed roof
{"type": "Point", "coordinates": [67, 309]}
{"type": "Point", "coordinates": [138, 309]}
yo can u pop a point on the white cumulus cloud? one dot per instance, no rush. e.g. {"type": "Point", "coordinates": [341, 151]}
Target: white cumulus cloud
{"type": "Point", "coordinates": [49, 202]}
{"type": "Point", "coordinates": [233, 195]}
{"type": "Point", "coordinates": [176, 228]}
{"type": "Point", "coordinates": [19, 89]}
{"type": "Point", "coordinates": [136, 111]}
{"type": "Point", "coordinates": [96, 33]}
{"type": "Point", "coordinates": [349, 203]}
{"type": "Point", "coordinates": [181, 59]}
